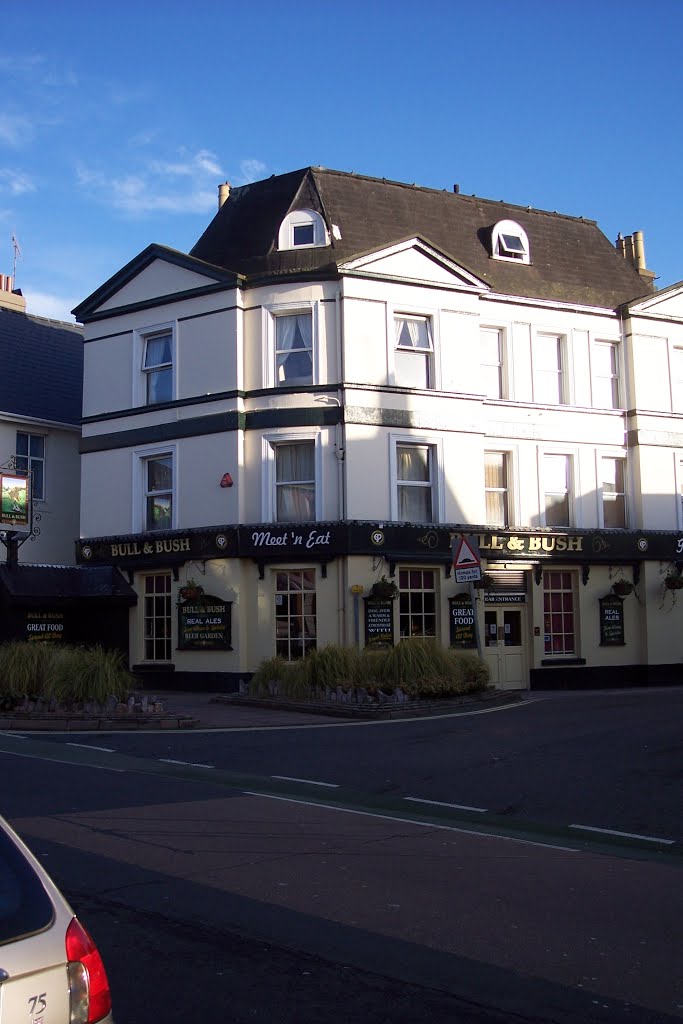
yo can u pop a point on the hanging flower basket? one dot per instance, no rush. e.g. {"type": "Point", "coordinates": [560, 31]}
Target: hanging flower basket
{"type": "Point", "coordinates": [622, 588]}
{"type": "Point", "coordinates": [384, 589]}
{"type": "Point", "coordinates": [190, 591]}
{"type": "Point", "coordinates": [673, 581]}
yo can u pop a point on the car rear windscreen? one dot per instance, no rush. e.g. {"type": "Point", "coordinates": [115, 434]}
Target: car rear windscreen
{"type": "Point", "coordinates": [25, 906]}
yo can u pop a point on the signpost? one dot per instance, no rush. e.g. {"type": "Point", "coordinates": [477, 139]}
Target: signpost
{"type": "Point", "coordinates": [467, 567]}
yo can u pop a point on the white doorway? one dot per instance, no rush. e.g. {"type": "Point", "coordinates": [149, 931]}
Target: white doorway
{"type": "Point", "coordinates": [505, 646]}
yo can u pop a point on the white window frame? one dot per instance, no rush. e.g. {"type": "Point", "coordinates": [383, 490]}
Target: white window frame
{"type": "Point", "coordinates": [140, 337]}
{"type": "Point", "coordinates": [576, 632]}
{"type": "Point", "coordinates": [510, 242]}
{"type": "Point", "coordinates": [509, 489]}
{"type": "Point", "coordinates": [153, 598]}
{"type": "Point", "coordinates": [676, 380]}
{"type": "Point", "coordinates": [622, 456]}
{"type": "Point", "coordinates": [270, 314]}
{"type": "Point", "coordinates": [400, 313]}
{"type": "Point", "coordinates": [30, 460]}
{"type": "Point", "coordinates": [268, 478]}
{"type": "Point", "coordinates": [298, 219]}
{"type": "Point", "coordinates": [572, 486]}
{"type": "Point", "coordinates": [505, 363]}
{"type": "Point", "coordinates": [614, 345]}
{"type": "Point", "coordinates": [562, 372]}
{"type": "Point", "coordinates": [140, 458]}
{"type": "Point", "coordinates": [435, 446]}
{"type": "Point", "coordinates": [678, 477]}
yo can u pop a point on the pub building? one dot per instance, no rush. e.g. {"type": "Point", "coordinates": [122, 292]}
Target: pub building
{"type": "Point", "coordinates": [553, 609]}
{"type": "Point", "coordinates": [286, 429]}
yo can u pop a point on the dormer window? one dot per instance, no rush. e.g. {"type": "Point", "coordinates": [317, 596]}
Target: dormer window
{"type": "Point", "coordinates": [302, 229]}
{"type": "Point", "coordinates": [509, 242]}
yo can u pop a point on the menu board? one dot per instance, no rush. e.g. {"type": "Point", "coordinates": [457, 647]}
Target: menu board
{"type": "Point", "coordinates": [204, 624]}
{"type": "Point", "coordinates": [379, 622]}
{"type": "Point", "coordinates": [611, 621]}
{"type": "Point", "coordinates": [462, 621]}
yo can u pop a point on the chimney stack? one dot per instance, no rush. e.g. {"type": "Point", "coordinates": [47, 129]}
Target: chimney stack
{"type": "Point", "coordinates": [223, 193]}
{"type": "Point", "coordinates": [632, 248]}
{"type": "Point", "coordinates": [10, 299]}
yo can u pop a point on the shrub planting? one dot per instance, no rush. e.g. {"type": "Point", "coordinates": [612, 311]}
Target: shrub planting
{"type": "Point", "coordinates": [418, 668]}
{"type": "Point", "coordinates": [64, 675]}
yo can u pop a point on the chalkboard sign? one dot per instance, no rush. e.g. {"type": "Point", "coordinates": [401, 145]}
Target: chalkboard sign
{"type": "Point", "coordinates": [46, 626]}
{"type": "Point", "coordinates": [462, 621]}
{"type": "Point", "coordinates": [611, 621]}
{"type": "Point", "coordinates": [379, 622]}
{"type": "Point", "coordinates": [204, 624]}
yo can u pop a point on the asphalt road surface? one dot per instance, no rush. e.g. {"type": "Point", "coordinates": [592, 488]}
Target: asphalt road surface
{"type": "Point", "coordinates": [289, 902]}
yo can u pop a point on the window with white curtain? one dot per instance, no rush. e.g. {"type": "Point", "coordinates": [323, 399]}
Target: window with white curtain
{"type": "Point", "coordinates": [548, 377]}
{"type": "Point", "coordinates": [158, 492]}
{"type": "Point", "coordinates": [557, 487]}
{"type": "Point", "coordinates": [157, 365]}
{"type": "Point", "coordinates": [613, 485]}
{"type": "Point", "coordinates": [496, 489]}
{"type": "Point", "coordinates": [295, 482]}
{"type": "Point", "coordinates": [294, 349]}
{"type": "Point", "coordinates": [415, 483]}
{"type": "Point", "coordinates": [413, 355]}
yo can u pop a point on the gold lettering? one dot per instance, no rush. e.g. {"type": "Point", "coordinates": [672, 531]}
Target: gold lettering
{"type": "Point", "coordinates": [497, 544]}
{"type": "Point", "coordinates": [574, 543]}
{"type": "Point", "coordinates": [534, 543]}
{"type": "Point", "coordinates": [548, 543]}
{"type": "Point", "coordinates": [561, 544]}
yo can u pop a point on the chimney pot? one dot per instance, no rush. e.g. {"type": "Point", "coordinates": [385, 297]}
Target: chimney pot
{"type": "Point", "coordinates": [223, 193]}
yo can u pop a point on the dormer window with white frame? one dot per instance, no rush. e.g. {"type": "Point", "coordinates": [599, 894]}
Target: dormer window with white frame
{"type": "Point", "coordinates": [509, 242]}
{"type": "Point", "coordinates": [302, 229]}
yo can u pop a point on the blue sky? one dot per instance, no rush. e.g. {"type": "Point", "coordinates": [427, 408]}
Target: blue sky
{"type": "Point", "coordinates": [119, 120]}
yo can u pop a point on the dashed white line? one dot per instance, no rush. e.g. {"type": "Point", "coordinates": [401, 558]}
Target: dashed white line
{"type": "Point", "coordinates": [89, 746]}
{"type": "Point", "coordinates": [624, 835]}
{"type": "Point", "coordinates": [308, 782]}
{"type": "Point", "coordinates": [188, 764]}
{"type": "Point", "coordinates": [13, 736]}
{"type": "Point", "coordinates": [441, 803]}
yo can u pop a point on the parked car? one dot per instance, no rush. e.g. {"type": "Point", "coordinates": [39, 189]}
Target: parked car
{"type": "Point", "coordinates": [50, 969]}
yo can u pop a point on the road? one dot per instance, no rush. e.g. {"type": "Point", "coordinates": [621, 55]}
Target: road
{"type": "Point", "coordinates": [288, 902]}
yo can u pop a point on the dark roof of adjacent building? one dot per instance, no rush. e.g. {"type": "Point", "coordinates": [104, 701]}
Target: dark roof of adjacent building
{"type": "Point", "coordinates": [42, 368]}
{"type": "Point", "coordinates": [571, 259]}
{"type": "Point", "coordinates": [64, 582]}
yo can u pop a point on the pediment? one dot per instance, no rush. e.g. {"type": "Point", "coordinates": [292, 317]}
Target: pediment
{"type": "Point", "coordinates": [158, 273]}
{"type": "Point", "coordinates": [413, 260]}
{"type": "Point", "coordinates": [667, 303]}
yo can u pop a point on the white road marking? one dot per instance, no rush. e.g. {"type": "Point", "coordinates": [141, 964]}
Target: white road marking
{"type": "Point", "coordinates": [624, 835]}
{"type": "Point", "coordinates": [188, 764]}
{"type": "Point", "coordinates": [440, 803]}
{"type": "Point", "coordinates": [13, 736]}
{"type": "Point", "coordinates": [90, 746]}
{"type": "Point", "coordinates": [58, 760]}
{"type": "Point", "coordinates": [410, 821]}
{"type": "Point", "coordinates": [309, 782]}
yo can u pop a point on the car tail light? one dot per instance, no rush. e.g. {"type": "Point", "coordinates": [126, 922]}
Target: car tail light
{"type": "Point", "coordinates": [88, 984]}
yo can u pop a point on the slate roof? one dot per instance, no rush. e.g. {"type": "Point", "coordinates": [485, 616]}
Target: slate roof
{"type": "Point", "coordinates": [41, 362]}
{"type": "Point", "coordinates": [571, 259]}
{"type": "Point", "coordinates": [63, 581]}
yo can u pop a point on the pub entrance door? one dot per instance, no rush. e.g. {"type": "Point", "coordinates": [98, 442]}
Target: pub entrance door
{"type": "Point", "coordinates": [505, 650]}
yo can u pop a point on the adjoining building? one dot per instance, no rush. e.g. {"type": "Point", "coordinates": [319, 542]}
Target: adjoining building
{"type": "Point", "coordinates": [44, 595]}
{"type": "Point", "coordinates": [344, 375]}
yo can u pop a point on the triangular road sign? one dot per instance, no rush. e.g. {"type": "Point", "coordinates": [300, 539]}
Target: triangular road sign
{"type": "Point", "coordinates": [465, 557]}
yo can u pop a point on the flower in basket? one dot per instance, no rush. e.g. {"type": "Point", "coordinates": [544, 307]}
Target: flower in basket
{"type": "Point", "coordinates": [622, 588]}
{"type": "Point", "coordinates": [673, 581]}
{"type": "Point", "coordinates": [384, 589]}
{"type": "Point", "coordinates": [190, 590]}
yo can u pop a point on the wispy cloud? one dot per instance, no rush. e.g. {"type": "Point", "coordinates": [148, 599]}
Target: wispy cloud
{"type": "Point", "coordinates": [15, 130]}
{"type": "Point", "coordinates": [15, 182]}
{"type": "Point", "coordinates": [250, 170]}
{"type": "Point", "coordinates": [185, 185]}
{"type": "Point", "coordinates": [52, 306]}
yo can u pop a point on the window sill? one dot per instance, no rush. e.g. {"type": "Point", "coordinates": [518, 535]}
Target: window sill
{"type": "Point", "coordinates": [550, 662]}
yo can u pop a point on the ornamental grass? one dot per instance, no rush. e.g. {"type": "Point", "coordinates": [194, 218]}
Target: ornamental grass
{"type": "Point", "coordinates": [61, 674]}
